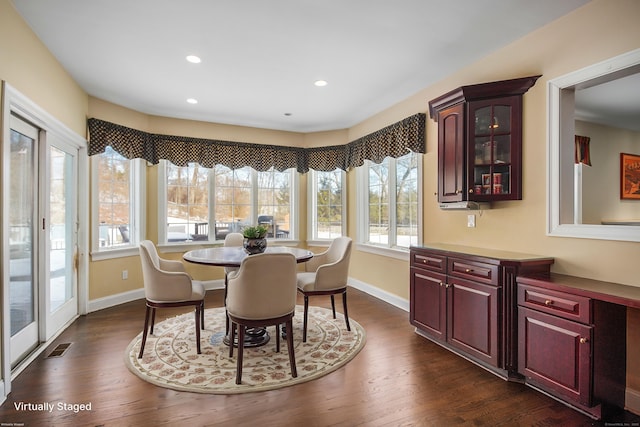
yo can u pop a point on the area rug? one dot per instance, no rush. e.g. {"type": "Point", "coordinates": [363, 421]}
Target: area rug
{"type": "Point", "coordinates": [170, 359]}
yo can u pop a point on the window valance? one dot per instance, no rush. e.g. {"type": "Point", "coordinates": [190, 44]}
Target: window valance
{"type": "Point", "coordinates": [394, 140]}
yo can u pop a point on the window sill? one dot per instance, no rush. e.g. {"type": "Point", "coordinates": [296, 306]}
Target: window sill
{"type": "Point", "coordinates": [115, 253]}
{"type": "Point", "coordinates": [187, 246]}
{"type": "Point", "coordinates": [397, 253]}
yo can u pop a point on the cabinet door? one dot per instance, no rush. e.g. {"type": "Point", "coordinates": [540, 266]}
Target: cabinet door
{"type": "Point", "coordinates": [451, 155]}
{"type": "Point", "coordinates": [555, 354]}
{"type": "Point", "coordinates": [428, 302]}
{"type": "Point", "coordinates": [495, 134]}
{"type": "Point", "coordinates": [473, 319]}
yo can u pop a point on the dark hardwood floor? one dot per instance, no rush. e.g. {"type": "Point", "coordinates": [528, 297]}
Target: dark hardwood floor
{"type": "Point", "coordinates": [398, 379]}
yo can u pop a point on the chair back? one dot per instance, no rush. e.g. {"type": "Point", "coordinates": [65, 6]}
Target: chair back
{"type": "Point", "coordinates": [233, 239]}
{"type": "Point", "coordinates": [264, 287]}
{"type": "Point", "coordinates": [334, 273]}
{"type": "Point", "coordinates": [160, 285]}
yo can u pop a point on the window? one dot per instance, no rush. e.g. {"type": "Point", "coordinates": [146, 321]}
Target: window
{"type": "Point", "coordinates": [389, 202]}
{"type": "Point", "coordinates": [194, 198]}
{"type": "Point", "coordinates": [118, 208]}
{"type": "Point", "coordinates": [326, 204]}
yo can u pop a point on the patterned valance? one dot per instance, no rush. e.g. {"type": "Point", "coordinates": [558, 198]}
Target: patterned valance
{"type": "Point", "coordinates": [394, 140]}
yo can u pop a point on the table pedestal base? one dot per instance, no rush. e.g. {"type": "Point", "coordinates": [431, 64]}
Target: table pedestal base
{"type": "Point", "coordinates": [253, 337]}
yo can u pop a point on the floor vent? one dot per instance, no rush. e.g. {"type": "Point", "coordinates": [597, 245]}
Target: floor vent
{"type": "Point", "coordinates": [59, 350]}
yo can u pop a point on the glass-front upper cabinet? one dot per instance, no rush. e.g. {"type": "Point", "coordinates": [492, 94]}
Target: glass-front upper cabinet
{"type": "Point", "coordinates": [494, 157]}
{"type": "Point", "coordinates": [480, 141]}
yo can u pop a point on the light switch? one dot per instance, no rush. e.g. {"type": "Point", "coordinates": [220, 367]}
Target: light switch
{"type": "Point", "coordinates": [471, 221]}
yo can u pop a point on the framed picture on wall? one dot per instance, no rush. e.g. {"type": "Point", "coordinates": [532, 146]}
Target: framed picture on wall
{"type": "Point", "coordinates": [629, 176]}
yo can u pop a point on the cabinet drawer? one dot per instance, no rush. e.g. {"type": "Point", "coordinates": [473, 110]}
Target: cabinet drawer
{"type": "Point", "coordinates": [562, 304]}
{"type": "Point", "coordinates": [429, 261]}
{"type": "Point", "coordinates": [473, 270]}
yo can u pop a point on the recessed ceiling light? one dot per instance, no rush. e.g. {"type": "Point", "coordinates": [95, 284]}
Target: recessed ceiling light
{"type": "Point", "coordinates": [193, 59]}
{"type": "Point", "coordinates": [320, 83]}
{"type": "Point", "coordinates": [287, 114]}
{"type": "Point", "coordinates": [192, 101]}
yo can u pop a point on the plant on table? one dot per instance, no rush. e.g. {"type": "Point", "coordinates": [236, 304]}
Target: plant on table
{"type": "Point", "coordinates": [255, 232]}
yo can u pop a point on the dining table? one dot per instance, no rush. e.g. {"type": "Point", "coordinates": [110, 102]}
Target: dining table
{"type": "Point", "coordinates": [232, 256]}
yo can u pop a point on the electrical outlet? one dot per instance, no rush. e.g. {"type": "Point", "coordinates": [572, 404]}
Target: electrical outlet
{"type": "Point", "coordinates": [471, 221]}
{"type": "Point", "coordinates": [125, 274]}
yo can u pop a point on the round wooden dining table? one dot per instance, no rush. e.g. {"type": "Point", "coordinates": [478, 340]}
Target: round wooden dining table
{"type": "Point", "coordinates": [232, 256]}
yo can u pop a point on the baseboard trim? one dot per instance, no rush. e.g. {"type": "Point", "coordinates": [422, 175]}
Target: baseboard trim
{"type": "Point", "coordinates": [380, 294]}
{"type": "Point", "coordinates": [124, 297]}
{"type": "Point", "coordinates": [632, 400]}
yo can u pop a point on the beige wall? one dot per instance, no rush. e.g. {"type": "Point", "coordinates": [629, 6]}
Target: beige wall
{"type": "Point", "coordinates": [597, 31]}
{"type": "Point", "coordinates": [593, 33]}
{"type": "Point", "coordinates": [27, 65]}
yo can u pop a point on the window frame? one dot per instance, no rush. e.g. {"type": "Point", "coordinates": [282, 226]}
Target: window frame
{"type": "Point", "coordinates": [137, 212]}
{"type": "Point", "coordinates": [312, 209]}
{"type": "Point", "coordinates": [362, 206]}
{"type": "Point", "coordinates": [180, 246]}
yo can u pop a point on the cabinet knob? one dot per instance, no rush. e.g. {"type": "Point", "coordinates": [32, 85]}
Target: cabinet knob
{"type": "Point", "coordinates": [468, 270]}
{"type": "Point", "coordinates": [471, 191]}
{"type": "Point", "coordinates": [447, 285]}
{"type": "Point", "coordinates": [584, 340]}
{"type": "Point", "coordinates": [548, 302]}
{"type": "Point", "coordinates": [441, 284]}
{"type": "Point", "coordinates": [458, 191]}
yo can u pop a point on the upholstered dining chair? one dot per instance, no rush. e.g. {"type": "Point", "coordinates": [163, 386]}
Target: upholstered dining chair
{"type": "Point", "coordinates": [326, 274]}
{"type": "Point", "coordinates": [263, 293]}
{"type": "Point", "coordinates": [231, 239]}
{"type": "Point", "coordinates": [166, 284]}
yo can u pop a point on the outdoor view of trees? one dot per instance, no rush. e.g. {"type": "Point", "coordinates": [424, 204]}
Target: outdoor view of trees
{"type": "Point", "coordinates": [329, 204]}
{"type": "Point", "coordinates": [201, 201]}
{"type": "Point", "coordinates": [405, 179]}
{"type": "Point", "coordinates": [114, 198]}
{"type": "Point", "coordinates": [189, 205]}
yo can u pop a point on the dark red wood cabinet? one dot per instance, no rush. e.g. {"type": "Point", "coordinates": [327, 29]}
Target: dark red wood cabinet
{"type": "Point", "coordinates": [571, 345]}
{"type": "Point", "coordinates": [463, 299]}
{"type": "Point", "coordinates": [480, 141]}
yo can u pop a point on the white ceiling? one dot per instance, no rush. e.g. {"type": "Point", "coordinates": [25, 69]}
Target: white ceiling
{"type": "Point", "coordinates": [261, 57]}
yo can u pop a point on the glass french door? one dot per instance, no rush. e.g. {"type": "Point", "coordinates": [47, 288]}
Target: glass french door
{"type": "Point", "coordinates": [23, 258]}
{"type": "Point", "coordinates": [60, 240]}
{"type": "Point", "coordinates": [42, 236]}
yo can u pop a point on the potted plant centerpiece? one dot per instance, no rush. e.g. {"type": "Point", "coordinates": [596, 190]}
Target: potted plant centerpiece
{"type": "Point", "coordinates": [255, 239]}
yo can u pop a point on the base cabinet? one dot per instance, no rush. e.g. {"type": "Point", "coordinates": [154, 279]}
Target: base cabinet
{"type": "Point", "coordinates": [464, 298]}
{"type": "Point", "coordinates": [472, 319]}
{"type": "Point", "coordinates": [555, 354]}
{"type": "Point", "coordinates": [571, 345]}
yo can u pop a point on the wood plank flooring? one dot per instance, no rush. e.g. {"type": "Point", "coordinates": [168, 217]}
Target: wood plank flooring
{"type": "Point", "coordinates": [398, 379]}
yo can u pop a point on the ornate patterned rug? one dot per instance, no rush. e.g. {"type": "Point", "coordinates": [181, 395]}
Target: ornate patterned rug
{"type": "Point", "coordinates": [170, 359]}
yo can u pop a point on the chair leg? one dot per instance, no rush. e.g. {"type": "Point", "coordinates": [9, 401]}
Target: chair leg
{"type": "Point", "coordinates": [333, 306]}
{"type": "Point", "coordinates": [198, 314]}
{"type": "Point", "coordinates": [202, 315]}
{"type": "Point", "coordinates": [304, 322]}
{"type": "Point", "coordinates": [226, 283]}
{"type": "Point", "coordinates": [232, 326]}
{"type": "Point", "coordinates": [292, 356]}
{"type": "Point", "coordinates": [240, 354]}
{"type": "Point", "coordinates": [153, 319]}
{"type": "Point", "coordinates": [346, 314]}
{"type": "Point", "coordinates": [278, 338]}
{"type": "Point", "coordinates": [144, 332]}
